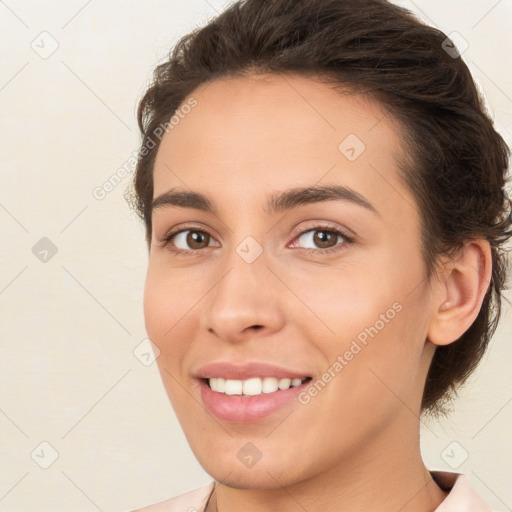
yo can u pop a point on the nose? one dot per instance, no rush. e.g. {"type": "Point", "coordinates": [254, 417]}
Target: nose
{"type": "Point", "coordinates": [244, 302]}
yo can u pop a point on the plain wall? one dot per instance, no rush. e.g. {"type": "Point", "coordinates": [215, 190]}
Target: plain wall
{"type": "Point", "coordinates": [70, 321]}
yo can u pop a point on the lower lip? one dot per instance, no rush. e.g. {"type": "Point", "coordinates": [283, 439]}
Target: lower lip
{"type": "Point", "coordinates": [246, 409]}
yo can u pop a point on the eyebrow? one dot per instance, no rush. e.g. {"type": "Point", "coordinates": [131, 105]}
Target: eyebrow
{"type": "Point", "coordinates": [278, 202]}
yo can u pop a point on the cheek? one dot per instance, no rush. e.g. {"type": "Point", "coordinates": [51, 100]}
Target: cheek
{"type": "Point", "coordinates": [170, 302]}
{"type": "Point", "coordinates": [168, 312]}
{"type": "Point", "coordinates": [353, 296]}
{"type": "Point", "coordinates": [369, 326]}
{"type": "Point", "coordinates": [170, 294]}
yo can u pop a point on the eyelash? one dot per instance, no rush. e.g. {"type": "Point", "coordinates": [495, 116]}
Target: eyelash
{"type": "Point", "coordinates": [165, 243]}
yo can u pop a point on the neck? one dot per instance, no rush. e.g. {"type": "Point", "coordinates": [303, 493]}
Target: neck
{"type": "Point", "coordinates": [389, 475]}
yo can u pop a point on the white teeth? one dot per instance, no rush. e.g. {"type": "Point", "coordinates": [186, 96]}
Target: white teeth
{"type": "Point", "coordinates": [233, 387]}
{"type": "Point", "coordinates": [284, 383]}
{"type": "Point", "coordinates": [221, 385]}
{"type": "Point", "coordinates": [252, 387]}
{"type": "Point", "coordinates": [270, 385]}
{"type": "Point", "coordinates": [218, 385]}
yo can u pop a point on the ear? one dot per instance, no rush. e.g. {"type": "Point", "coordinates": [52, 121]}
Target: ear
{"type": "Point", "coordinates": [459, 292]}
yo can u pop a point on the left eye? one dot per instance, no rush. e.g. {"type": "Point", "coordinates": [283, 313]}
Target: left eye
{"type": "Point", "coordinates": [323, 238]}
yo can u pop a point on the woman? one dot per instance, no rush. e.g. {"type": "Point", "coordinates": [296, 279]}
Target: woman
{"type": "Point", "coordinates": [323, 197]}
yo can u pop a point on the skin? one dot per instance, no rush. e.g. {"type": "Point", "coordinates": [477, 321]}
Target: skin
{"type": "Point", "coordinates": [355, 445]}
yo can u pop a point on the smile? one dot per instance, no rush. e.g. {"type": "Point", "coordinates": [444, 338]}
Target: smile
{"type": "Point", "coordinates": [248, 391]}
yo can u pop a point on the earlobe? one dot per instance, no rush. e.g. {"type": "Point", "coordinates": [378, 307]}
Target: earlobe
{"type": "Point", "coordinates": [460, 291]}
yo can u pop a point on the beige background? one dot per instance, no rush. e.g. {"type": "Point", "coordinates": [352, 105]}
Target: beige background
{"type": "Point", "coordinates": [69, 325]}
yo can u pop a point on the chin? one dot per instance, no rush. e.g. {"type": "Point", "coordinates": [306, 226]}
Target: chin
{"type": "Point", "coordinates": [255, 478]}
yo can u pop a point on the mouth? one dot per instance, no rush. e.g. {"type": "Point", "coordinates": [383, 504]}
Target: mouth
{"type": "Point", "coordinates": [249, 391]}
{"type": "Point", "coordinates": [254, 386]}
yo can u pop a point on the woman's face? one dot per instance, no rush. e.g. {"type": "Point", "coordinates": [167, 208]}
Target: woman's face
{"type": "Point", "coordinates": [306, 265]}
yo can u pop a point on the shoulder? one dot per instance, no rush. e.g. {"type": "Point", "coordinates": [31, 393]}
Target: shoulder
{"type": "Point", "coordinates": [192, 501]}
{"type": "Point", "coordinates": [462, 497]}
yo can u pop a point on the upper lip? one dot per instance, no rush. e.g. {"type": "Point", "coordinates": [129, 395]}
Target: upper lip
{"type": "Point", "coordinates": [247, 370]}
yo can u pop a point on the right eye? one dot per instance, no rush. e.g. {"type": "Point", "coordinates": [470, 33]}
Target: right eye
{"type": "Point", "coordinates": [187, 242]}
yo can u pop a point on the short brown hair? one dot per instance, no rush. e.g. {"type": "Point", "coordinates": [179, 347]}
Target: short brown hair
{"type": "Point", "coordinates": [458, 165]}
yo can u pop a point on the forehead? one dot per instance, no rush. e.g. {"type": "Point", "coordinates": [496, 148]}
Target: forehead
{"type": "Point", "coordinates": [248, 134]}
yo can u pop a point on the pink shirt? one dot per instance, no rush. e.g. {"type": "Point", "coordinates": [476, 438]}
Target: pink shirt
{"type": "Point", "coordinates": [461, 498]}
